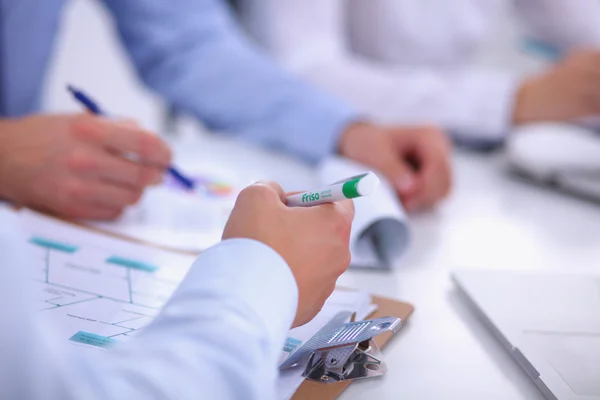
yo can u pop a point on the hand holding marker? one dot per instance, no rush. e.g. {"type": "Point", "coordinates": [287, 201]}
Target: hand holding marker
{"type": "Point", "coordinates": [95, 109]}
{"type": "Point", "coordinates": [349, 188]}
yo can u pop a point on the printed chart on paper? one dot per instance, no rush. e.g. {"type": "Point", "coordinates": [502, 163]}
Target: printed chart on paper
{"type": "Point", "coordinates": [96, 289]}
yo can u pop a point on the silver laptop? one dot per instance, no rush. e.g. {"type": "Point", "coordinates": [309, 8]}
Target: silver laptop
{"type": "Point", "coordinates": [549, 322]}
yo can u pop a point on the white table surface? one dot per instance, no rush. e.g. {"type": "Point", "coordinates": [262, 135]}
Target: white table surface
{"type": "Point", "coordinates": [492, 220]}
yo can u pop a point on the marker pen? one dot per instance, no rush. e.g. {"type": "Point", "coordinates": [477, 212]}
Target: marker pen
{"type": "Point", "coordinates": [349, 188]}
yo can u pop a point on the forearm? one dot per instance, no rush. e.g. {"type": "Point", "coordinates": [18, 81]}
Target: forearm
{"type": "Point", "coordinates": [7, 129]}
{"type": "Point", "coordinates": [218, 337]}
{"type": "Point", "coordinates": [192, 52]}
{"type": "Point", "coordinates": [471, 103]}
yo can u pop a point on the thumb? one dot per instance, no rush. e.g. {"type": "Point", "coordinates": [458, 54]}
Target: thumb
{"type": "Point", "coordinates": [274, 187]}
{"type": "Point", "coordinates": [346, 207]}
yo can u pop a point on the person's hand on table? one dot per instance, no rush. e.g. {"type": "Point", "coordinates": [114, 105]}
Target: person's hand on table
{"type": "Point", "coordinates": [567, 91]}
{"type": "Point", "coordinates": [314, 241]}
{"type": "Point", "coordinates": [74, 165]}
{"type": "Point", "coordinates": [415, 160]}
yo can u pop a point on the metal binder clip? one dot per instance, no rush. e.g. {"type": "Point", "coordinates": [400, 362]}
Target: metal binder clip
{"type": "Point", "coordinates": [344, 351]}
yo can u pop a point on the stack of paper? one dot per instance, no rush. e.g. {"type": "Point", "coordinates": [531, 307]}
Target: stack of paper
{"type": "Point", "coordinates": [380, 233]}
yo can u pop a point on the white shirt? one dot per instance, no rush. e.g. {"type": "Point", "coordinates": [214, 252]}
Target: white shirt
{"type": "Point", "coordinates": [219, 337]}
{"type": "Point", "coordinates": [412, 61]}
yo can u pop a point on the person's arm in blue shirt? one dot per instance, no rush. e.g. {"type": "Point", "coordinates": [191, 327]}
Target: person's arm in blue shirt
{"type": "Point", "coordinates": [194, 54]}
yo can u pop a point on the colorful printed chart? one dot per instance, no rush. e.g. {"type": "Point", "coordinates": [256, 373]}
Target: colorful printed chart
{"type": "Point", "coordinates": [205, 185]}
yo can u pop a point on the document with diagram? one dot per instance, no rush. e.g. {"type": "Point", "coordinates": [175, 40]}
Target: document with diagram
{"type": "Point", "coordinates": [93, 288]}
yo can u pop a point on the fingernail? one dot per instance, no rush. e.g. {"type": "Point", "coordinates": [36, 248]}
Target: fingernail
{"type": "Point", "coordinates": [405, 183]}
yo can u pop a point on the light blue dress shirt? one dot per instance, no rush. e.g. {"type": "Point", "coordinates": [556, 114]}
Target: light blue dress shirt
{"type": "Point", "coordinates": [193, 53]}
{"type": "Point", "coordinates": [220, 335]}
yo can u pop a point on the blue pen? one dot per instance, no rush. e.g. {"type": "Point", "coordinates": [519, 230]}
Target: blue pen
{"type": "Point", "coordinates": [95, 109]}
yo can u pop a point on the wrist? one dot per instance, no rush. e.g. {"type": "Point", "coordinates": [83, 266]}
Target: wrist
{"type": "Point", "coordinates": [537, 100]}
{"type": "Point", "coordinates": [9, 132]}
{"type": "Point", "coordinates": [521, 112]}
{"type": "Point", "coordinates": [351, 138]}
{"type": "Point", "coordinates": [5, 134]}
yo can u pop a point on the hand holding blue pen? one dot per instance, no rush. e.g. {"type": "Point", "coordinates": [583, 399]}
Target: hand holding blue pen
{"type": "Point", "coordinates": [79, 166]}
{"type": "Point", "coordinates": [95, 109]}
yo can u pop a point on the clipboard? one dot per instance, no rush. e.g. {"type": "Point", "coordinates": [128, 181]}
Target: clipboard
{"type": "Point", "coordinates": [386, 308]}
{"type": "Point", "coordinates": [309, 390]}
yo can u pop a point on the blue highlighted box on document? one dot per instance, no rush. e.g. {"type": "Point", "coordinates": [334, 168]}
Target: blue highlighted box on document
{"type": "Point", "coordinates": [53, 245]}
{"type": "Point", "coordinates": [92, 339]}
{"type": "Point", "coordinates": [291, 345]}
{"type": "Point", "coordinates": [127, 263]}
{"type": "Point", "coordinates": [542, 49]}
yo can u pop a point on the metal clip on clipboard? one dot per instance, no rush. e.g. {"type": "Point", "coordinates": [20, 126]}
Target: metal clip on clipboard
{"type": "Point", "coordinates": [343, 351]}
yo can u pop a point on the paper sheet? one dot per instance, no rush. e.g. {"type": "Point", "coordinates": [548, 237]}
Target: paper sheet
{"type": "Point", "coordinates": [95, 289]}
{"type": "Point", "coordinates": [380, 233]}
{"type": "Point", "coordinates": [171, 216]}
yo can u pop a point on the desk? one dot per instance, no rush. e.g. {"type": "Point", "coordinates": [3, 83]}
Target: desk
{"type": "Point", "coordinates": [491, 221]}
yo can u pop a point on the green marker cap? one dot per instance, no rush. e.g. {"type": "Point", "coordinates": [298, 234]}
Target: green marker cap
{"type": "Point", "coordinates": [360, 185]}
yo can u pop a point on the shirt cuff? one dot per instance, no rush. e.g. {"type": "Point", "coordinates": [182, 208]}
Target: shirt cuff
{"type": "Point", "coordinates": [491, 112]}
{"type": "Point", "coordinates": [254, 274]}
{"type": "Point", "coordinates": [308, 125]}
{"type": "Point", "coordinates": [318, 128]}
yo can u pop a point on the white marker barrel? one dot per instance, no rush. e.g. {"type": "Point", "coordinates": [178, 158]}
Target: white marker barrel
{"type": "Point", "coordinates": [349, 188]}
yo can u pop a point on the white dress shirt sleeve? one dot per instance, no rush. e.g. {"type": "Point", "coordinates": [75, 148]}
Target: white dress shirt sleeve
{"type": "Point", "coordinates": [219, 337]}
{"type": "Point", "coordinates": [310, 38]}
{"type": "Point", "coordinates": [473, 103]}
